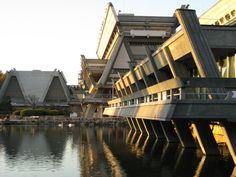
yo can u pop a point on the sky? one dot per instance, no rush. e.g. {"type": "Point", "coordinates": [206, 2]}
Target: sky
{"type": "Point", "coordinates": [52, 34]}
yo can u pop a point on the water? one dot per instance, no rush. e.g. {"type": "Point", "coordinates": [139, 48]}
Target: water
{"type": "Point", "coordinates": [100, 152]}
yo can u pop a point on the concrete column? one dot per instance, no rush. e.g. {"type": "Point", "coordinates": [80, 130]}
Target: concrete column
{"type": "Point", "coordinates": [133, 122]}
{"type": "Point", "coordinates": [138, 85]}
{"type": "Point", "coordinates": [159, 76]}
{"type": "Point", "coordinates": [144, 76]}
{"type": "Point", "coordinates": [130, 88]}
{"type": "Point", "coordinates": [130, 123]}
{"type": "Point", "coordinates": [176, 69]}
{"type": "Point", "coordinates": [205, 138]}
{"type": "Point", "coordinates": [184, 133]}
{"type": "Point", "coordinates": [157, 129]}
{"type": "Point", "coordinates": [201, 52]}
{"type": "Point", "coordinates": [90, 110]}
{"type": "Point", "coordinates": [169, 131]}
{"type": "Point", "coordinates": [121, 90]}
{"type": "Point", "coordinates": [200, 49]}
{"type": "Point", "coordinates": [230, 134]}
{"type": "Point", "coordinates": [141, 125]}
{"type": "Point", "coordinates": [123, 83]}
{"type": "Point", "coordinates": [117, 91]}
{"type": "Point", "coordinates": [148, 127]}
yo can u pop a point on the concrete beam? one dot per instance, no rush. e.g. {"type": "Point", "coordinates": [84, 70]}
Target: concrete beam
{"type": "Point", "coordinates": [205, 138]}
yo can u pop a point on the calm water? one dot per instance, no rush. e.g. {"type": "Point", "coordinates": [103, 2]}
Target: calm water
{"type": "Point", "coordinates": [100, 152]}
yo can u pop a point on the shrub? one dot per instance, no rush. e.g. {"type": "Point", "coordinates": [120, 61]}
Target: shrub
{"type": "Point", "coordinates": [5, 105]}
{"type": "Point", "coordinates": [40, 112]}
{"type": "Point", "coordinates": [16, 112]}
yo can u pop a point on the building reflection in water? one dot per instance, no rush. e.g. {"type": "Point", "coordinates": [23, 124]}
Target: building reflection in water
{"type": "Point", "coordinates": [159, 158]}
{"type": "Point", "coordinates": [103, 152]}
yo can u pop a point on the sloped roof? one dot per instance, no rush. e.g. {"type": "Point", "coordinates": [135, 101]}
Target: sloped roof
{"type": "Point", "coordinates": [35, 83]}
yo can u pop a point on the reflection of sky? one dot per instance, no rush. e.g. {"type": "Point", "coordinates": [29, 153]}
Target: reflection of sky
{"type": "Point", "coordinates": [34, 158]}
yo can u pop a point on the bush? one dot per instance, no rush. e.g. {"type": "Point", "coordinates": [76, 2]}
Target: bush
{"type": "Point", "coordinates": [40, 112]}
{"type": "Point", "coordinates": [16, 112]}
{"type": "Point", "coordinates": [5, 105]}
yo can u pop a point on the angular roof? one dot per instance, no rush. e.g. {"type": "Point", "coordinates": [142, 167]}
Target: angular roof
{"type": "Point", "coordinates": [35, 83]}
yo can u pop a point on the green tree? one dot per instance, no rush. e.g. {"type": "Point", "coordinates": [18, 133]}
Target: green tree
{"type": "Point", "coordinates": [5, 105]}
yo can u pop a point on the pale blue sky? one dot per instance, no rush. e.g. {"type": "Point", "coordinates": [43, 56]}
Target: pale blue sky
{"type": "Point", "coordinates": [49, 34]}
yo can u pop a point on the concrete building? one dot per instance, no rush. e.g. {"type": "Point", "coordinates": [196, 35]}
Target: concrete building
{"type": "Point", "coordinates": [42, 88]}
{"type": "Point", "coordinates": [125, 40]}
{"type": "Point", "coordinates": [222, 13]}
{"type": "Point", "coordinates": [189, 92]}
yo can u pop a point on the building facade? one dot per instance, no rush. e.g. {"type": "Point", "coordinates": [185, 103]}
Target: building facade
{"type": "Point", "coordinates": [42, 88]}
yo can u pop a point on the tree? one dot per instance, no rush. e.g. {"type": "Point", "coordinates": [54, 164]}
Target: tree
{"type": "Point", "coordinates": [33, 100]}
{"type": "Point", "coordinates": [2, 77]}
{"type": "Point", "coordinates": [5, 105]}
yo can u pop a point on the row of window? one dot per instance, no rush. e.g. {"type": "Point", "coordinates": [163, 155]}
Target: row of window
{"type": "Point", "coordinates": [170, 94]}
{"type": "Point", "coordinates": [226, 17]}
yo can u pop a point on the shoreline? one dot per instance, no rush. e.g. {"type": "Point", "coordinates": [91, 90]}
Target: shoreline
{"type": "Point", "coordinates": [63, 121]}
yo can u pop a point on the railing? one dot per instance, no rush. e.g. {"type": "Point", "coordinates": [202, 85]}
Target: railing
{"type": "Point", "coordinates": [103, 96]}
{"type": "Point", "coordinates": [177, 94]}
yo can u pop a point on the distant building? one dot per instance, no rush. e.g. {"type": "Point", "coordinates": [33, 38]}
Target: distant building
{"type": "Point", "coordinates": [42, 88]}
{"type": "Point", "coordinates": [222, 13]}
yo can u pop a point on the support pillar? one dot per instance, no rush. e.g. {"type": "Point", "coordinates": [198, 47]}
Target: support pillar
{"type": "Point", "coordinates": [184, 133]}
{"type": "Point", "coordinates": [123, 83]}
{"type": "Point", "coordinates": [158, 74]}
{"type": "Point", "coordinates": [205, 138]}
{"type": "Point", "coordinates": [129, 123]}
{"type": "Point", "coordinates": [141, 125]}
{"type": "Point", "coordinates": [137, 83]}
{"type": "Point", "coordinates": [230, 135]}
{"type": "Point", "coordinates": [144, 76]}
{"type": "Point", "coordinates": [148, 127]}
{"type": "Point", "coordinates": [169, 132]}
{"type": "Point", "coordinates": [157, 129]}
{"type": "Point", "coordinates": [133, 122]}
